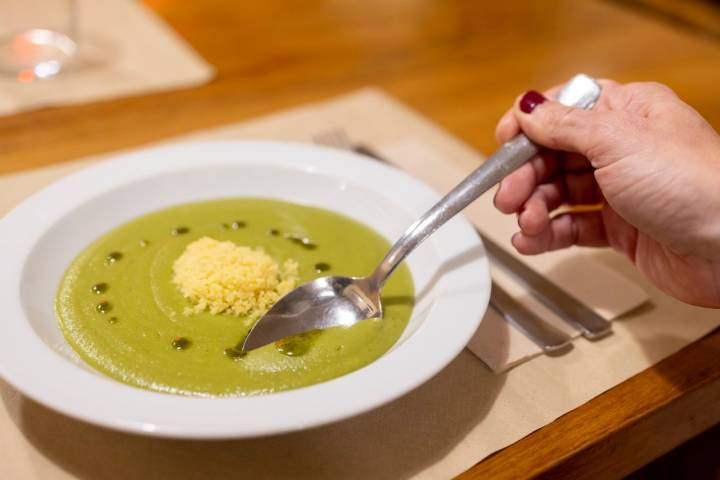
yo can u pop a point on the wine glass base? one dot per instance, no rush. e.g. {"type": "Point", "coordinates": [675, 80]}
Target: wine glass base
{"type": "Point", "coordinates": [35, 54]}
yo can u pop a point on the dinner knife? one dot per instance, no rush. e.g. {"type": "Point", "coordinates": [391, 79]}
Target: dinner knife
{"type": "Point", "coordinates": [567, 307]}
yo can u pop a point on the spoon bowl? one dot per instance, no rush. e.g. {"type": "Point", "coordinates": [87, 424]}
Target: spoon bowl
{"type": "Point", "coordinates": [322, 303]}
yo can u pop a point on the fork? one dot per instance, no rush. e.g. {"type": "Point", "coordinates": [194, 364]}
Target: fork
{"type": "Point", "coordinates": [551, 339]}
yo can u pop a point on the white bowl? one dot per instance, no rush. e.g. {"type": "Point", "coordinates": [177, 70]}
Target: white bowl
{"type": "Point", "coordinates": [43, 235]}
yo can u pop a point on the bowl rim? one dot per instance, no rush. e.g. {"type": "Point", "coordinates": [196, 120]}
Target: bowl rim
{"type": "Point", "coordinates": [31, 366]}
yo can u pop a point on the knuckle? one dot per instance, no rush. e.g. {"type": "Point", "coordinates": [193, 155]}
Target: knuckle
{"type": "Point", "coordinates": [563, 125]}
{"type": "Point", "coordinates": [608, 83]}
{"type": "Point", "coordinates": [660, 88]}
{"type": "Point", "coordinates": [650, 90]}
{"type": "Point", "coordinates": [559, 122]}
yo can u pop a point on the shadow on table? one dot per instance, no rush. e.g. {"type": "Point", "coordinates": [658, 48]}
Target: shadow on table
{"type": "Point", "coordinates": [391, 442]}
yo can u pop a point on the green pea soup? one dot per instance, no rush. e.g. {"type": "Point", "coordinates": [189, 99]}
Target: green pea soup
{"type": "Point", "coordinates": [120, 311]}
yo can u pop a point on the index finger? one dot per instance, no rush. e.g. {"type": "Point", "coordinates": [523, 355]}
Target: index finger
{"type": "Point", "coordinates": [508, 125]}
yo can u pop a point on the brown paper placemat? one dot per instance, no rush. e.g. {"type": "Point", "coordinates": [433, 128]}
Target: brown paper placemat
{"type": "Point", "coordinates": [124, 49]}
{"type": "Point", "coordinates": [439, 430]}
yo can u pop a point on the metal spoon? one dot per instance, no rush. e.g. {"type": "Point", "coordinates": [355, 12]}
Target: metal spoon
{"type": "Point", "coordinates": [343, 301]}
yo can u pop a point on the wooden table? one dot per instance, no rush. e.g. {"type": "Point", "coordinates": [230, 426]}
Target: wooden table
{"type": "Point", "coordinates": [461, 63]}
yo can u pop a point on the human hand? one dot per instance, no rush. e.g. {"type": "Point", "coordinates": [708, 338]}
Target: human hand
{"type": "Point", "coordinates": [649, 160]}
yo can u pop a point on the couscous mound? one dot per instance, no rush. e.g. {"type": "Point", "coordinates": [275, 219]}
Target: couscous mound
{"type": "Point", "coordinates": [222, 277]}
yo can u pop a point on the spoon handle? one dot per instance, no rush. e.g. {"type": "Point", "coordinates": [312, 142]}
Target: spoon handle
{"type": "Point", "coordinates": [581, 92]}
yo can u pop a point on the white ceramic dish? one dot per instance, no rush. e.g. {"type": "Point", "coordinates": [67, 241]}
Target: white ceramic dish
{"type": "Point", "coordinates": [42, 236]}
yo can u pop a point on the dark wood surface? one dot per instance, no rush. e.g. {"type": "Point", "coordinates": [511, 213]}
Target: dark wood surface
{"type": "Point", "coordinates": [461, 63]}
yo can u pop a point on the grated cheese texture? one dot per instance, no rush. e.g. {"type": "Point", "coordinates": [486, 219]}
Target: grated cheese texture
{"type": "Point", "coordinates": [222, 277]}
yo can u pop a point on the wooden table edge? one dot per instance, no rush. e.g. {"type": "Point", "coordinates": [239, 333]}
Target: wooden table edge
{"type": "Point", "coordinates": [672, 401]}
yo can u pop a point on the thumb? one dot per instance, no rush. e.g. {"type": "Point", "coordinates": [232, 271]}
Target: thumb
{"type": "Point", "coordinates": [556, 126]}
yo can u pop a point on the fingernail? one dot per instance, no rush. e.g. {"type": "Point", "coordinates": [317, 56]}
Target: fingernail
{"type": "Point", "coordinates": [530, 100]}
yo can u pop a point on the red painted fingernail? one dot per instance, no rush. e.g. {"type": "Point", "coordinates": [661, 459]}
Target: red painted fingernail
{"type": "Point", "coordinates": [530, 100]}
